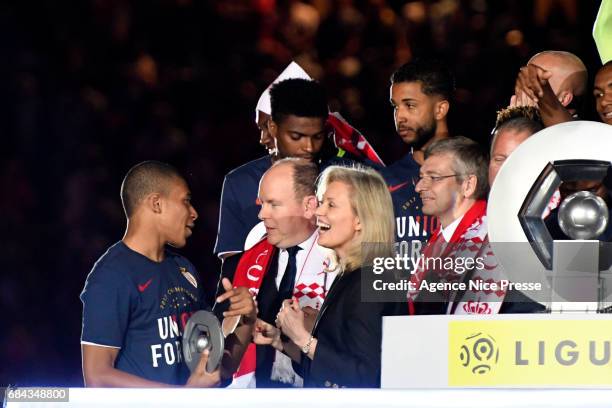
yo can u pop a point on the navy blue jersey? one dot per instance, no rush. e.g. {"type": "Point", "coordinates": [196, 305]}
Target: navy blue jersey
{"type": "Point", "coordinates": [141, 307]}
{"type": "Point", "coordinates": [239, 207]}
{"type": "Point", "coordinates": [410, 222]}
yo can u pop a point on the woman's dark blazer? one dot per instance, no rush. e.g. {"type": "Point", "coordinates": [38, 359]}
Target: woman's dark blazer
{"type": "Point", "coordinates": [349, 334]}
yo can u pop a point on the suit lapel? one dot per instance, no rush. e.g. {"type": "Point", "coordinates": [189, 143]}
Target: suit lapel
{"type": "Point", "coordinates": [332, 296]}
{"type": "Point", "coordinates": [268, 292]}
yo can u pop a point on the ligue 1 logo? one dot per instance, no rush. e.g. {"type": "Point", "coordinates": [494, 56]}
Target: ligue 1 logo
{"type": "Point", "coordinates": [479, 353]}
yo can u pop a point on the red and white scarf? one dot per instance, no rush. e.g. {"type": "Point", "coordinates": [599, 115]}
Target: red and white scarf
{"type": "Point", "coordinates": [350, 139]}
{"type": "Point", "coordinates": [469, 241]}
{"type": "Point", "coordinates": [252, 267]}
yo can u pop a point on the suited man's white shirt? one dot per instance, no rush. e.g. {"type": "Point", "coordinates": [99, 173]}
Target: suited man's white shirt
{"type": "Point", "coordinates": [311, 285]}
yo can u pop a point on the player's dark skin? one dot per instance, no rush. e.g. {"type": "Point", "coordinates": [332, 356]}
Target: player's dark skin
{"type": "Point", "coordinates": [163, 218]}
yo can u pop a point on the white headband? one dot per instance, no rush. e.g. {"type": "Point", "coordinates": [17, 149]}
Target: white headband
{"type": "Point", "coordinates": [292, 71]}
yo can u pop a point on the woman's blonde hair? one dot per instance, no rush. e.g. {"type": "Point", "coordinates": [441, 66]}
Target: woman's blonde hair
{"type": "Point", "coordinates": [371, 202]}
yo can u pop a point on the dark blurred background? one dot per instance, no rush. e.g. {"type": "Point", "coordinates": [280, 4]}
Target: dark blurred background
{"type": "Point", "coordinates": [89, 88]}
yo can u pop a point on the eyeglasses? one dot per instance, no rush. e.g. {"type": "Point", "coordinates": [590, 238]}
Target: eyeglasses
{"type": "Point", "coordinates": [434, 179]}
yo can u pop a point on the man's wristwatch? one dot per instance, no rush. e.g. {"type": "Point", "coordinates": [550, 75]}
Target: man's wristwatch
{"type": "Point", "coordinates": [306, 348]}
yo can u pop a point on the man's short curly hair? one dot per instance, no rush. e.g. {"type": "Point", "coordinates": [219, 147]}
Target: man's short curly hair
{"type": "Point", "coordinates": [298, 97]}
{"type": "Point", "coordinates": [143, 179]}
{"type": "Point", "coordinates": [528, 112]}
{"type": "Point", "coordinates": [434, 76]}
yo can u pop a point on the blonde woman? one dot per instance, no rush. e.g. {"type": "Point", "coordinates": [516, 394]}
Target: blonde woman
{"type": "Point", "coordinates": [343, 348]}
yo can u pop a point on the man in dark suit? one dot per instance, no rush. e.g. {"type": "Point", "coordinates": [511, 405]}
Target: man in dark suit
{"type": "Point", "coordinates": [289, 259]}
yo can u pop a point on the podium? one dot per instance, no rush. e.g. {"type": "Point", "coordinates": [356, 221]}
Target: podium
{"type": "Point", "coordinates": [468, 361]}
{"type": "Point", "coordinates": [502, 351]}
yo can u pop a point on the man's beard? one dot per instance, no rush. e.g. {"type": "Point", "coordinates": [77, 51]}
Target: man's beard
{"type": "Point", "coordinates": [424, 135]}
